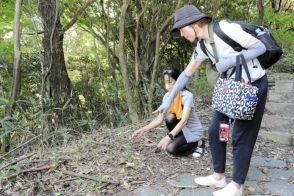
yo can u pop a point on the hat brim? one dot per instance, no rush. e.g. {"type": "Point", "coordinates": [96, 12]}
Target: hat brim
{"type": "Point", "coordinates": [185, 22]}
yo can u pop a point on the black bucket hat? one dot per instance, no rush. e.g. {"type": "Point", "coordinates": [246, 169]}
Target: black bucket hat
{"type": "Point", "coordinates": [187, 15]}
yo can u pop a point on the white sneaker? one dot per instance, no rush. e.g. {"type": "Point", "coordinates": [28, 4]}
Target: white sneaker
{"type": "Point", "coordinates": [230, 190]}
{"type": "Point", "coordinates": [199, 152]}
{"type": "Point", "coordinates": [211, 181]}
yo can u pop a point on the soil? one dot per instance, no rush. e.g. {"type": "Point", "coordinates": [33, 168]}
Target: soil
{"type": "Point", "coordinates": [115, 163]}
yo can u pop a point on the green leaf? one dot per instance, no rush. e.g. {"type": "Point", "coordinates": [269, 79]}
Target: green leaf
{"type": "Point", "coordinates": [66, 104]}
{"type": "Point", "coordinates": [5, 102]}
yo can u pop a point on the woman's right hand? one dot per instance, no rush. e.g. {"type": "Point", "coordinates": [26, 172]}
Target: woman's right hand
{"type": "Point", "coordinates": [137, 134]}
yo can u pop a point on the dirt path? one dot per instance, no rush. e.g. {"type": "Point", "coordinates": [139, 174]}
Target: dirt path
{"type": "Point", "coordinates": [107, 162]}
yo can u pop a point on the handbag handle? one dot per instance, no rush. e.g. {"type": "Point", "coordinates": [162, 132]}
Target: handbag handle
{"type": "Point", "coordinates": [240, 61]}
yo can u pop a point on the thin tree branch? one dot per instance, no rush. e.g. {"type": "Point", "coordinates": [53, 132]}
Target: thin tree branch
{"type": "Point", "coordinates": [20, 146]}
{"type": "Point", "coordinates": [17, 160]}
{"type": "Point", "coordinates": [64, 180]}
{"type": "Point", "coordinates": [70, 173]}
{"type": "Point", "coordinates": [5, 67]}
{"type": "Point", "coordinates": [34, 33]}
{"type": "Point", "coordinates": [100, 38]}
{"type": "Point", "coordinates": [52, 166]}
{"type": "Point", "coordinates": [77, 15]}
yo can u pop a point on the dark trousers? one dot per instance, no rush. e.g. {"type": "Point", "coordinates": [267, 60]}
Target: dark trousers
{"type": "Point", "coordinates": [244, 135]}
{"type": "Point", "coordinates": [179, 145]}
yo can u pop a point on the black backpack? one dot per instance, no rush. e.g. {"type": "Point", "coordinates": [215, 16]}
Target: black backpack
{"type": "Point", "coordinates": [273, 50]}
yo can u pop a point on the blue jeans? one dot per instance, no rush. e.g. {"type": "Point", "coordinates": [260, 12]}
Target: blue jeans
{"type": "Point", "coordinates": [244, 135]}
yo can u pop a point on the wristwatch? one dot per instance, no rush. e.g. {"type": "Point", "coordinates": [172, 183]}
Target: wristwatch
{"type": "Point", "coordinates": [171, 136]}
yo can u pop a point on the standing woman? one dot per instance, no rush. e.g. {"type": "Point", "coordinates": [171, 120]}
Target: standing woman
{"type": "Point", "coordinates": [184, 128]}
{"type": "Point", "coordinates": [192, 25]}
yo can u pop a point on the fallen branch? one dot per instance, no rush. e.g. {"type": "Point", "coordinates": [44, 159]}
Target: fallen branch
{"type": "Point", "coordinates": [47, 167]}
{"type": "Point", "coordinates": [47, 160]}
{"type": "Point", "coordinates": [64, 180]}
{"type": "Point", "coordinates": [20, 146]}
{"type": "Point", "coordinates": [150, 170]}
{"type": "Point", "coordinates": [101, 143]}
{"type": "Point", "coordinates": [70, 173]}
{"type": "Point", "coordinates": [138, 182]}
{"type": "Point", "coordinates": [17, 160]}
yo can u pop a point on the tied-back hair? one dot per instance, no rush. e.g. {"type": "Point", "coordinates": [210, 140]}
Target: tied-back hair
{"type": "Point", "coordinates": [204, 21]}
{"type": "Point", "coordinates": [174, 73]}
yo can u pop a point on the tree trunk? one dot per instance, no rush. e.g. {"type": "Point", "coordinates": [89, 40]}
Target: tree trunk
{"type": "Point", "coordinates": [260, 12]}
{"type": "Point", "coordinates": [130, 101]}
{"type": "Point", "coordinates": [1, 86]}
{"type": "Point", "coordinates": [59, 82]}
{"type": "Point", "coordinates": [276, 6]}
{"type": "Point", "coordinates": [1, 95]}
{"type": "Point", "coordinates": [16, 72]}
{"type": "Point", "coordinates": [273, 3]}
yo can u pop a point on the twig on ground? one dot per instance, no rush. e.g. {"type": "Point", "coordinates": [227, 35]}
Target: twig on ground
{"type": "Point", "coordinates": [48, 160]}
{"type": "Point", "coordinates": [64, 180]}
{"type": "Point", "coordinates": [17, 160]}
{"type": "Point", "coordinates": [20, 146]}
{"type": "Point", "coordinates": [70, 173]}
{"type": "Point", "coordinates": [138, 182]}
{"type": "Point", "coordinates": [150, 170]}
{"type": "Point", "coordinates": [47, 167]}
{"type": "Point", "coordinates": [101, 143]}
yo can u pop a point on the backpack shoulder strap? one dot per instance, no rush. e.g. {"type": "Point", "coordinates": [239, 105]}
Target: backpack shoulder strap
{"type": "Point", "coordinates": [211, 41]}
{"type": "Point", "coordinates": [236, 46]}
{"type": "Point", "coordinates": [202, 46]}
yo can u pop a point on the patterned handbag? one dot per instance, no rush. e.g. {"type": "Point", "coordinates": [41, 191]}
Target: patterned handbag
{"type": "Point", "coordinates": [234, 98]}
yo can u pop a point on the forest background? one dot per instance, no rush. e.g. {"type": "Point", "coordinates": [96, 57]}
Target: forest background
{"type": "Point", "coordinates": [72, 66]}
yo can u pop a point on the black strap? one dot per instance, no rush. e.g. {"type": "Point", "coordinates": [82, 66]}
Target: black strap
{"type": "Point", "coordinates": [246, 67]}
{"type": "Point", "coordinates": [235, 45]}
{"type": "Point", "coordinates": [203, 48]}
{"type": "Point", "coordinates": [232, 72]}
{"type": "Point", "coordinates": [240, 61]}
{"type": "Point", "coordinates": [238, 69]}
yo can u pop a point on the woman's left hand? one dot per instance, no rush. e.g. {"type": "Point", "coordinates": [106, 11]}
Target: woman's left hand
{"type": "Point", "coordinates": [164, 143]}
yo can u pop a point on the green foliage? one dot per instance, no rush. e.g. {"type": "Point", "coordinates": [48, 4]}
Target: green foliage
{"type": "Point", "coordinates": [202, 89]}
{"type": "Point", "coordinates": [127, 156]}
{"type": "Point", "coordinates": [6, 31]}
{"type": "Point", "coordinates": [5, 102]}
{"type": "Point", "coordinates": [281, 24]}
{"type": "Point", "coordinates": [12, 169]}
{"type": "Point", "coordinates": [93, 185]}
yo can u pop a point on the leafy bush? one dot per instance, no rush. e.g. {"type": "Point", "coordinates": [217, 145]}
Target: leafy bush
{"type": "Point", "coordinates": [282, 24]}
